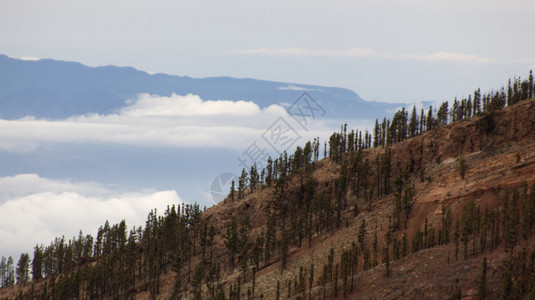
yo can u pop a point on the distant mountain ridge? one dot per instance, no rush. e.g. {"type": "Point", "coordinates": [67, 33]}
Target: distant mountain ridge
{"type": "Point", "coordinates": [54, 89]}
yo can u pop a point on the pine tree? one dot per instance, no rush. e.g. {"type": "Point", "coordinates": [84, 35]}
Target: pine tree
{"type": "Point", "coordinates": [232, 240]}
{"type": "Point", "coordinates": [456, 235]}
{"type": "Point", "coordinates": [311, 280]}
{"type": "Point", "coordinates": [510, 94]}
{"type": "Point", "coordinates": [242, 184]}
{"type": "Point", "coordinates": [481, 291]}
{"type": "Point", "coordinates": [376, 134]}
{"type": "Point", "coordinates": [362, 234]}
{"type": "Point", "coordinates": [531, 86]}
{"type": "Point", "coordinates": [9, 279]}
{"type": "Point", "coordinates": [196, 282]}
{"type": "Point", "coordinates": [508, 290]}
{"type": "Point", "coordinates": [386, 260]}
{"type": "Point", "coordinates": [405, 245]}
{"type": "Point", "coordinates": [254, 178]}
{"type": "Point", "coordinates": [413, 123]}
{"type": "Point", "coordinates": [468, 108]}
{"type": "Point", "coordinates": [3, 271]}
{"type": "Point", "coordinates": [336, 281]}
{"type": "Point", "coordinates": [442, 114]}
{"type": "Point", "coordinates": [467, 220]}
{"type": "Point", "coordinates": [476, 107]}
{"type": "Point", "coordinates": [284, 246]}
{"type": "Point", "coordinates": [177, 287]}
{"type": "Point", "coordinates": [422, 121]}
{"type": "Point", "coordinates": [462, 167]}
{"type": "Point", "coordinates": [256, 251]}
{"type": "Point", "coordinates": [330, 262]}
{"type": "Point", "coordinates": [23, 268]}
{"type": "Point", "coordinates": [430, 119]}
{"type": "Point", "coordinates": [269, 172]}
{"type": "Point", "coordinates": [232, 191]}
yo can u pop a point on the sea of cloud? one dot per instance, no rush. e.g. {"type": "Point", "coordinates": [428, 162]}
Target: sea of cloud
{"type": "Point", "coordinates": [153, 121]}
{"type": "Point", "coordinates": [35, 209]}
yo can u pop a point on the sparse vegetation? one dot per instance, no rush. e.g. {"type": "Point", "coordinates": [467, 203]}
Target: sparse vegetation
{"type": "Point", "coordinates": [371, 182]}
{"type": "Point", "coordinates": [462, 167]}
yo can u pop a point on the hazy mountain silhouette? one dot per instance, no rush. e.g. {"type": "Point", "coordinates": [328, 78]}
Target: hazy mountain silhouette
{"type": "Point", "coordinates": [57, 89]}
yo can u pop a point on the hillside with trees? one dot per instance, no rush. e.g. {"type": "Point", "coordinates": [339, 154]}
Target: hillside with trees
{"type": "Point", "coordinates": [436, 203]}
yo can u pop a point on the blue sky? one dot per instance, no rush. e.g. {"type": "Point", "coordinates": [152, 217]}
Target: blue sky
{"type": "Point", "coordinates": [384, 50]}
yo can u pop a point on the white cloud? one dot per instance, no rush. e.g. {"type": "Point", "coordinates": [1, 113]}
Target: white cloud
{"type": "Point", "coordinates": [154, 121]}
{"type": "Point", "coordinates": [449, 56]}
{"type": "Point", "coordinates": [26, 184]}
{"type": "Point", "coordinates": [30, 58]}
{"type": "Point", "coordinates": [189, 105]}
{"type": "Point", "coordinates": [366, 53]}
{"type": "Point", "coordinates": [36, 209]}
{"type": "Point", "coordinates": [296, 51]}
{"type": "Point", "coordinates": [293, 87]}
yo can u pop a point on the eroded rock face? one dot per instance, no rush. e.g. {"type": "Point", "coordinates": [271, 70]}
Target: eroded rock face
{"type": "Point", "coordinates": [513, 124]}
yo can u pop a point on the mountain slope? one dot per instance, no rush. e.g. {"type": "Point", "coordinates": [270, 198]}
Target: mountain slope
{"type": "Point", "coordinates": [58, 89]}
{"type": "Point", "coordinates": [429, 210]}
{"type": "Point", "coordinates": [498, 162]}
